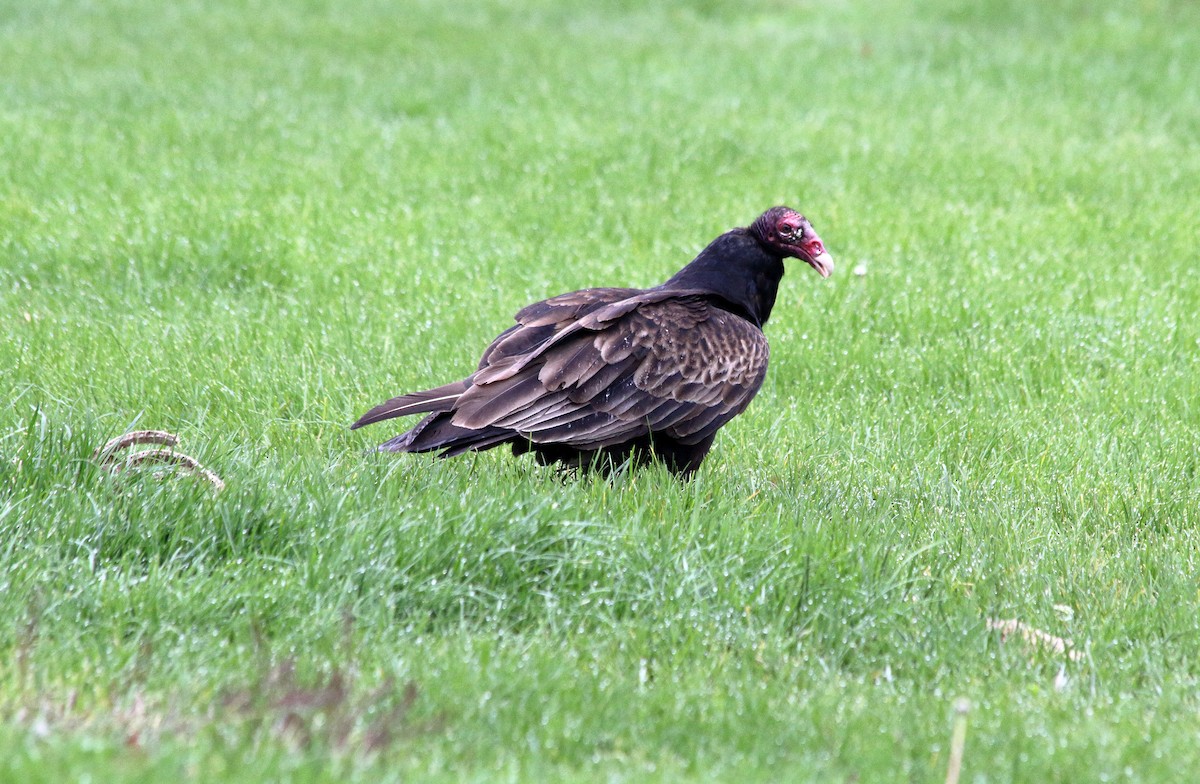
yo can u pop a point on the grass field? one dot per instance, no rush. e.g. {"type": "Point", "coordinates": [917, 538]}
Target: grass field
{"type": "Point", "coordinates": [248, 222]}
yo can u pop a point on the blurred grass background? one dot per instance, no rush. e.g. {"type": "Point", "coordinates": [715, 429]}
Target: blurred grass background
{"type": "Point", "coordinates": [247, 222]}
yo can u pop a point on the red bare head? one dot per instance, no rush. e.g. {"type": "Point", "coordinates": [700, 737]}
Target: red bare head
{"type": "Point", "coordinates": [789, 234]}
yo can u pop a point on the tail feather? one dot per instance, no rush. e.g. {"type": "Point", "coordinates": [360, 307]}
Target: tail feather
{"type": "Point", "coordinates": [437, 432]}
{"type": "Point", "coordinates": [442, 398]}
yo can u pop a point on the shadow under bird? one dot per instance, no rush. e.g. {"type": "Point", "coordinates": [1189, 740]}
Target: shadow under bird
{"type": "Point", "coordinates": [606, 376]}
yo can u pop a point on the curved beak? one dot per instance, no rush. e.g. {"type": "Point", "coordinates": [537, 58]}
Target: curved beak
{"type": "Point", "coordinates": [822, 263]}
{"type": "Point", "coordinates": [812, 251]}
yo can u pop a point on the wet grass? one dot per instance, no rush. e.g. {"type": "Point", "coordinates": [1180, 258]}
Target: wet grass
{"type": "Point", "coordinates": [246, 223]}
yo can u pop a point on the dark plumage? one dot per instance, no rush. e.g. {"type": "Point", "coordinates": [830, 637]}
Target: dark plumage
{"type": "Point", "coordinates": [597, 377]}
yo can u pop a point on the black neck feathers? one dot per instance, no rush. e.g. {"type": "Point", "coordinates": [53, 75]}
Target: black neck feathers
{"type": "Point", "coordinates": [741, 274]}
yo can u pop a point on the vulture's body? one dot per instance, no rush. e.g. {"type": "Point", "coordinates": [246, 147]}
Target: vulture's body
{"type": "Point", "coordinates": [599, 377]}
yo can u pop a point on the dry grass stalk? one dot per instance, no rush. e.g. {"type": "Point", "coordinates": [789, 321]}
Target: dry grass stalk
{"type": "Point", "coordinates": [958, 740]}
{"type": "Point", "coordinates": [1035, 638]}
{"type": "Point", "coordinates": [107, 455]}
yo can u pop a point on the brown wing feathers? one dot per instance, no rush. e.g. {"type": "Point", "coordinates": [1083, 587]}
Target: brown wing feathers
{"type": "Point", "coordinates": [680, 366]}
{"type": "Point", "coordinates": [594, 374]}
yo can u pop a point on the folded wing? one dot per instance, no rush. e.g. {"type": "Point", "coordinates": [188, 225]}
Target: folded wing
{"type": "Point", "coordinates": [593, 370]}
{"type": "Point", "coordinates": [679, 366]}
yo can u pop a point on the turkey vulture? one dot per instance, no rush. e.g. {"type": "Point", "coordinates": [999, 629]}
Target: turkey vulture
{"type": "Point", "coordinates": [599, 377]}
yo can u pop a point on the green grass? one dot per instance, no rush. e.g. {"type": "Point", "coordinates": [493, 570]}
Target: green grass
{"type": "Point", "coordinates": [249, 222]}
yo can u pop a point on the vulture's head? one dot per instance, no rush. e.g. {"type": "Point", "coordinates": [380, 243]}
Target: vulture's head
{"type": "Point", "coordinates": [788, 234]}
